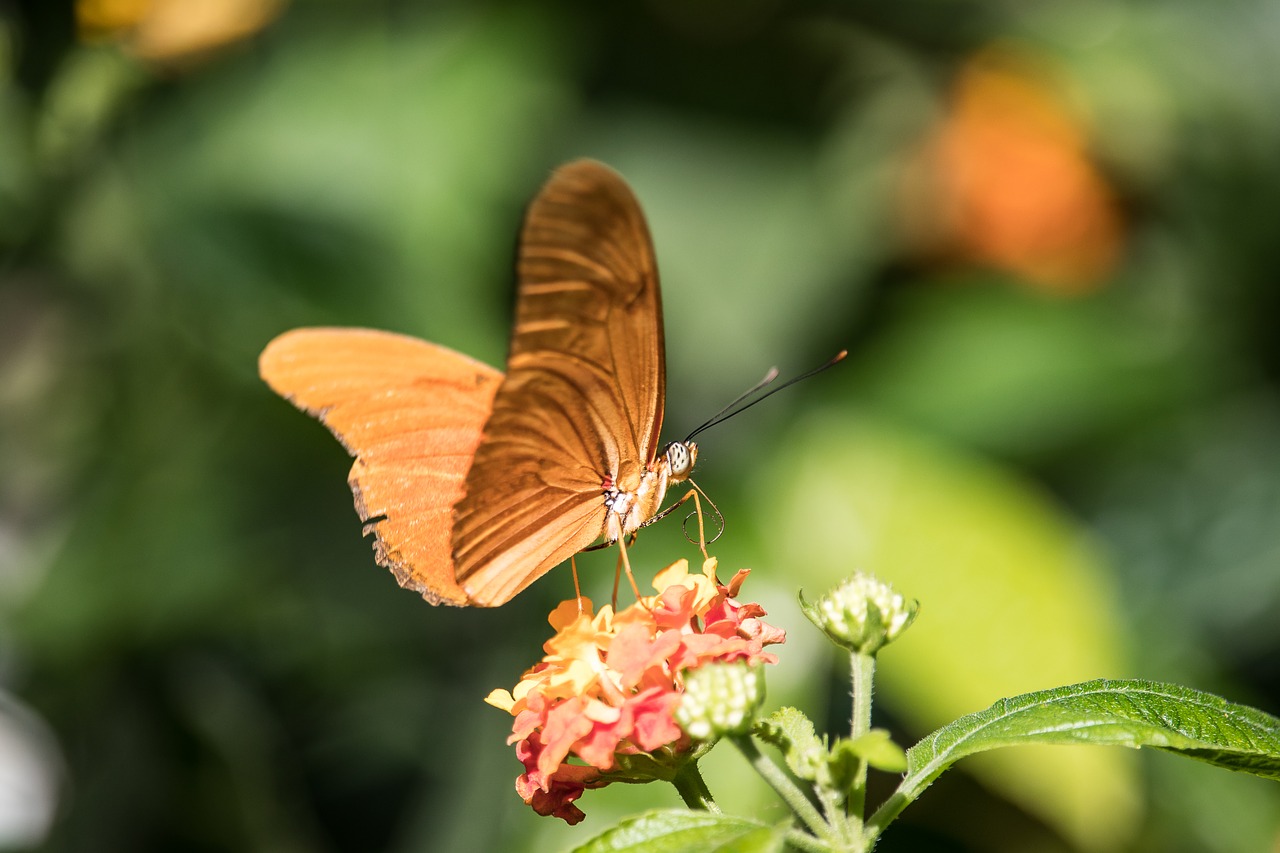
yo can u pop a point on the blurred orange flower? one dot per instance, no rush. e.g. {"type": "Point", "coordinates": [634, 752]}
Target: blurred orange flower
{"type": "Point", "coordinates": [1005, 180]}
{"type": "Point", "coordinates": [609, 684]}
{"type": "Point", "coordinates": [165, 31]}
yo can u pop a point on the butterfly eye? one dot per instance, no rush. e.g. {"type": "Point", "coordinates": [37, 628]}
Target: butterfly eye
{"type": "Point", "coordinates": [680, 458]}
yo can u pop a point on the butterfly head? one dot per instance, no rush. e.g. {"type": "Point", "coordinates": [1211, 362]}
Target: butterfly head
{"type": "Point", "coordinates": [680, 457]}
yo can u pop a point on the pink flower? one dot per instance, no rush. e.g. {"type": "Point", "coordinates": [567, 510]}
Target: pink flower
{"type": "Point", "coordinates": [608, 686]}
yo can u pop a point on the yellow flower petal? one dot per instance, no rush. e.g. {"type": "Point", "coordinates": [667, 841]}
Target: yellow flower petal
{"type": "Point", "coordinates": [672, 574]}
{"type": "Point", "coordinates": [501, 699]}
{"type": "Point", "coordinates": [569, 610]}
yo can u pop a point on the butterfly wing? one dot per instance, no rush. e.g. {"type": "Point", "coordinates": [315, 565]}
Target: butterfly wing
{"type": "Point", "coordinates": [411, 413]}
{"type": "Point", "coordinates": [583, 395]}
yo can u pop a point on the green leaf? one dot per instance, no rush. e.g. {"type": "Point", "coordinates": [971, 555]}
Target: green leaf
{"type": "Point", "coordinates": [1107, 713]}
{"type": "Point", "coordinates": [679, 831]}
{"type": "Point", "coordinates": [793, 734]}
{"type": "Point", "coordinates": [877, 748]}
{"type": "Point", "coordinates": [843, 766]}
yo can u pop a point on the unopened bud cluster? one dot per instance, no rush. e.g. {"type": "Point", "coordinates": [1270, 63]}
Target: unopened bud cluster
{"type": "Point", "coordinates": [720, 699]}
{"type": "Point", "coordinates": [862, 614]}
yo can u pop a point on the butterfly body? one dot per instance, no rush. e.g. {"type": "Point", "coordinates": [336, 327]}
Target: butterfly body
{"type": "Point", "coordinates": [629, 509]}
{"type": "Point", "coordinates": [476, 483]}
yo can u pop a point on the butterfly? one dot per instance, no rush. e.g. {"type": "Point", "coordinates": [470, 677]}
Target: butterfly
{"type": "Point", "coordinates": [475, 483]}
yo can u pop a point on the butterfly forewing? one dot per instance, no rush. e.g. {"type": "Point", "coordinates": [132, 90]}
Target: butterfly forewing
{"type": "Point", "coordinates": [411, 413]}
{"type": "Point", "coordinates": [582, 398]}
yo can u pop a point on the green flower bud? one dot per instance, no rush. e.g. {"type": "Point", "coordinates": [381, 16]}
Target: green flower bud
{"type": "Point", "coordinates": [720, 699]}
{"type": "Point", "coordinates": [862, 614]}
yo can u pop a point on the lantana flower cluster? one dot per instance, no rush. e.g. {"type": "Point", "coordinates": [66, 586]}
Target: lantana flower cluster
{"type": "Point", "coordinates": [605, 693]}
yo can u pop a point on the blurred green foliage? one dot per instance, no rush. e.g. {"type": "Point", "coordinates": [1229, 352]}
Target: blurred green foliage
{"type": "Point", "coordinates": [198, 651]}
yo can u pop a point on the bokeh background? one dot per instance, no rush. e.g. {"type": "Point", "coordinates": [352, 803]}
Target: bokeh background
{"type": "Point", "coordinates": [1048, 234]}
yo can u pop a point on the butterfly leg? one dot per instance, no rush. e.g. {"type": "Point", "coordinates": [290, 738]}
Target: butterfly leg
{"type": "Point", "coordinates": [702, 531]}
{"type": "Point", "coordinates": [698, 497]}
{"type": "Point", "coordinates": [697, 510]}
{"type": "Point", "coordinates": [624, 565]}
{"type": "Point", "coordinates": [617, 578]}
{"type": "Point", "coordinates": [577, 588]}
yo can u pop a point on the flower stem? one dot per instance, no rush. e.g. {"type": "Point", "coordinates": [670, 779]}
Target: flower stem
{"type": "Point", "coordinates": [864, 673]}
{"type": "Point", "coordinates": [786, 789]}
{"type": "Point", "coordinates": [802, 840]}
{"type": "Point", "coordinates": [837, 819]}
{"type": "Point", "coordinates": [863, 677]}
{"type": "Point", "coordinates": [693, 789]}
{"type": "Point", "coordinates": [885, 815]}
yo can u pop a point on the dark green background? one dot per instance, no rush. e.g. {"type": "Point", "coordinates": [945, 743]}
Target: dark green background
{"type": "Point", "coordinates": [195, 643]}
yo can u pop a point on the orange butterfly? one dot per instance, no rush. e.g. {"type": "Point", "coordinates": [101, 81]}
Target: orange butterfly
{"type": "Point", "coordinates": [476, 484]}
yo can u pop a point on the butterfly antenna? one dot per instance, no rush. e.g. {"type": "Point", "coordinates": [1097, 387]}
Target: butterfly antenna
{"type": "Point", "coordinates": [715, 419]}
{"type": "Point", "coordinates": [729, 410]}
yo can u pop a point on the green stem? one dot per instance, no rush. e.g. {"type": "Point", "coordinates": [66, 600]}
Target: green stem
{"type": "Point", "coordinates": [836, 817]}
{"type": "Point", "coordinates": [864, 673]}
{"type": "Point", "coordinates": [863, 677]}
{"type": "Point", "coordinates": [884, 816]}
{"type": "Point", "coordinates": [693, 789]}
{"type": "Point", "coordinates": [802, 840]}
{"type": "Point", "coordinates": [782, 784]}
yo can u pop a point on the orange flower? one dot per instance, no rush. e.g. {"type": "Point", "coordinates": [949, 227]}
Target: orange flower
{"type": "Point", "coordinates": [167, 31]}
{"type": "Point", "coordinates": [1005, 180]}
{"type": "Point", "coordinates": [609, 684]}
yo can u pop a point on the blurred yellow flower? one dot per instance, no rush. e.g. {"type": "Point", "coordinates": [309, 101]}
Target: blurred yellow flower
{"type": "Point", "coordinates": [1005, 180]}
{"type": "Point", "coordinates": [165, 31]}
